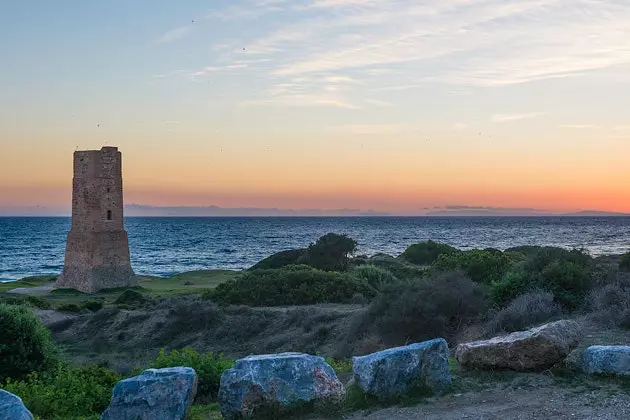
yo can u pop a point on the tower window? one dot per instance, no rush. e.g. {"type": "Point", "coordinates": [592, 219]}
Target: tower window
{"type": "Point", "coordinates": [109, 215]}
{"type": "Point", "coordinates": [108, 190]}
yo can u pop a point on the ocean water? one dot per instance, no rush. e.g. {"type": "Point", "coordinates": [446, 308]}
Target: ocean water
{"type": "Point", "coordinates": [164, 246]}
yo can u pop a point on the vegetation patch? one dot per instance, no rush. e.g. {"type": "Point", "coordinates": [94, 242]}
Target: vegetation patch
{"type": "Point", "coordinates": [280, 259]}
{"type": "Point", "coordinates": [426, 253]}
{"type": "Point", "coordinates": [422, 310]}
{"type": "Point", "coordinates": [66, 392]}
{"type": "Point", "coordinates": [566, 274]}
{"type": "Point", "coordinates": [482, 266]}
{"type": "Point", "coordinates": [25, 344]}
{"type": "Point", "coordinates": [293, 285]}
{"type": "Point", "coordinates": [209, 368]}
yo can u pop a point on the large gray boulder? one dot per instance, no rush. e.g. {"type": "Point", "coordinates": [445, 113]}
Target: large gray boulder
{"type": "Point", "coordinates": [534, 349]}
{"type": "Point", "coordinates": [157, 394]}
{"type": "Point", "coordinates": [397, 371]}
{"type": "Point", "coordinates": [608, 360]}
{"type": "Point", "coordinates": [12, 407]}
{"type": "Point", "coordinates": [268, 385]}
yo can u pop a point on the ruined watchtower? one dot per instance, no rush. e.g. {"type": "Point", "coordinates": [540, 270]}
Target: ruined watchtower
{"type": "Point", "coordinates": [97, 251]}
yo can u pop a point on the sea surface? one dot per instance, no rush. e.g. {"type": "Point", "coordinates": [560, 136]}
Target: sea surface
{"type": "Point", "coordinates": [165, 246]}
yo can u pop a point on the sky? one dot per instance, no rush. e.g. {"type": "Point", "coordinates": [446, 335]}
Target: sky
{"type": "Point", "coordinates": [396, 106]}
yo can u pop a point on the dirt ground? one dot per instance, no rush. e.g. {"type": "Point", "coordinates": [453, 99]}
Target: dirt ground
{"type": "Point", "coordinates": [544, 402]}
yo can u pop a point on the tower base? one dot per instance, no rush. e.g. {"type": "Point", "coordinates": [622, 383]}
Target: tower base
{"type": "Point", "coordinates": [96, 261]}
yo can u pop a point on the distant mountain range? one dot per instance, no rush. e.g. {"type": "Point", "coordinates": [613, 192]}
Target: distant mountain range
{"type": "Point", "coordinates": [142, 210]}
{"type": "Point", "coordinates": [137, 210]}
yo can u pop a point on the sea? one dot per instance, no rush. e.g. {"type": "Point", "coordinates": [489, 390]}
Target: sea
{"type": "Point", "coordinates": [163, 246]}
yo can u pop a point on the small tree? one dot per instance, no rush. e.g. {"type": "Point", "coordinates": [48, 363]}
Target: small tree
{"type": "Point", "coordinates": [331, 252]}
{"type": "Point", "coordinates": [25, 344]}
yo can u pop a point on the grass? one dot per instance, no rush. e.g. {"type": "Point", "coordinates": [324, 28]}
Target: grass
{"type": "Point", "coordinates": [34, 281]}
{"type": "Point", "coordinates": [192, 282]}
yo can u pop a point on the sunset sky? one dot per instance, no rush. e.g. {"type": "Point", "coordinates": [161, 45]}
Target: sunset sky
{"type": "Point", "coordinates": [388, 105]}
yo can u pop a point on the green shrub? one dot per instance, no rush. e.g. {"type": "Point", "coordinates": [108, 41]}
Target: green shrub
{"type": "Point", "coordinates": [69, 307]}
{"type": "Point", "coordinates": [480, 265]}
{"type": "Point", "coordinates": [426, 253]}
{"type": "Point", "coordinates": [131, 298]}
{"type": "Point", "coordinates": [398, 267]}
{"type": "Point", "coordinates": [293, 285]}
{"type": "Point", "coordinates": [376, 277]}
{"type": "Point", "coordinates": [340, 365]}
{"type": "Point", "coordinates": [25, 344]}
{"type": "Point", "coordinates": [38, 302]}
{"type": "Point", "coordinates": [624, 263]}
{"type": "Point", "coordinates": [209, 368]}
{"type": "Point", "coordinates": [330, 253]}
{"type": "Point", "coordinates": [280, 259]}
{"type": "Point", "coordinates": [566, 274]}
{"type": "Point", "coordinates": [422, 310]}
{"type": "Point", "coordinates": [66, 392]}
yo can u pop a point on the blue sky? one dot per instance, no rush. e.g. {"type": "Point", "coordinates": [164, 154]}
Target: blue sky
{"type": "Point", "coordinates": [375, 92]}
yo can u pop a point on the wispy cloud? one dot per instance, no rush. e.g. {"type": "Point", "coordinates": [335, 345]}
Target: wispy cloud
{"type": "Point", "coordinates": [367, 129]}
{"type": "Point", "coordinates": [501, 118]}
{"type": "Point", "coordinates": [398, 45]}
{"type": "Point", "coordinates": [378, 102]}
{"type": "Point", "coordinates": [579, 126]}
{"type": "Point", "coordinates": [622, 128]}
{"type": "Point", "coordinates": [460, 126]}
{"type": "Point", "coordinates": [174, 34]}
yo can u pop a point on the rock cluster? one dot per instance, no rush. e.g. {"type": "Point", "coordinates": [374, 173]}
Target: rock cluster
{"type": "Point", "coordinates": [398, 370]}
{"type": "Point", "coordinates": [534, 349]}
{"type": "Point", "coordinates": [156, 394]}
{"type": "Point", "coordinates": [266, 386]}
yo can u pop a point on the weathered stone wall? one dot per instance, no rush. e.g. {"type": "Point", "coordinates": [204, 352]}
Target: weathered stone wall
{"type": "Point", "coordinates": [97, 251]}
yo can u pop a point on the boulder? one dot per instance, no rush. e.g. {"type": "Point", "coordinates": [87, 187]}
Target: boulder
{"type": "Point", "coordinates": [157, 394]}
{"type": "Point", "coordinates": [267, 385]}
{"type": "Point", "coordinates": [534, 349]}
{"type": "Point", "coordinates": [397, 371]}
{"type": "Point", "coordinates": [608, 360]}
{"type": "Point", "coordinates": [12, 407]}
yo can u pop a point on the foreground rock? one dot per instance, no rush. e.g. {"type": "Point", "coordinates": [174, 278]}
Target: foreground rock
{"type": "Point", "coordinates": [265, 386]}
{"type": "Point", "coordinates": [534, 349]}
{"type": "Point", "coordinates": [399, 370]}
{"type": "Point", "coordinates": [12, 407]}
{"type": "Point", "coordinates": [613, 360]}
{"type": "Point", "coordinates": [157, 394]}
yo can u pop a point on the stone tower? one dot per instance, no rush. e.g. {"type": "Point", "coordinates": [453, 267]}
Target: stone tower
{"type": "Point", "coordinates": [97, 251]}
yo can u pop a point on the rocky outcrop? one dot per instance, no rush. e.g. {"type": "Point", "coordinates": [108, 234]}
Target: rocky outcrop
{"type": "Point", "coordinates": [12, 407]}
{"type": "Point", "coordinates": [607, 360]}
{"type": "Point", "coordinates": [534, 349]}
{"type": "Point", "coordinates": [398, 370]}
{"type": "Point", "coordinates": [268, 385]}
{"type": "Point", "coordinates": [157, 394]}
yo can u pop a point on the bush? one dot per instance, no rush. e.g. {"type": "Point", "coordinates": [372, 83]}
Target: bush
{"type": "Point", "coordinates": [330, 253]}
{"type": "Point", "coordinates": [624, 263]}
{"type": "Point", "coordinates": [426, 253]}
{"type": "Point", "coordinates": [481, 266]}
{"type": "Point", "coordinates": [209, 368]}
{"type": "Point", "coordinates": [280, 259]}
{"type": "Point", "coordinates": [131, 298]}
{"type": "Point", "coordinates": [566, 274]}
{"type": "Point", "coordinates": [527, 310]}
{"type": "Point", "coordinates": [293, 285]}
{"type": "Point", "coordinates": [376, 277]}
{"type": "Point", "coordinates": [610, 305]}
{"type": "Point", "coordinates": [411, 312]}
{"type": "Point", "coordinates": [398, 267]}
{"type": "Point", "coordinates": [25, 344]}
{"type": "Point", "coordinates": [66, 392]}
